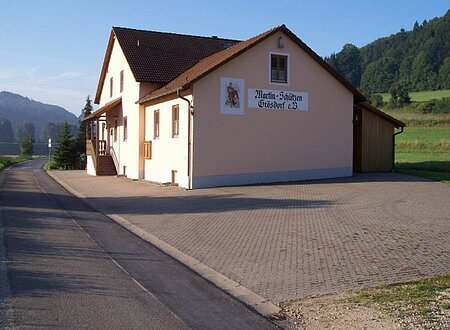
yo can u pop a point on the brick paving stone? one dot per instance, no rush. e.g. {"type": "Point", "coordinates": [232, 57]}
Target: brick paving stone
{"type": "Point", "coordinates": [289, 241]}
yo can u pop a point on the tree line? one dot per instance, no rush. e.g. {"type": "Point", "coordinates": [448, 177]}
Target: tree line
{"type": "Point", "coordinates": [418, 59]}
{"type": "Point", "coordinates": [50, 130]}
{"type": "Point", "coordinates": [70, 152]}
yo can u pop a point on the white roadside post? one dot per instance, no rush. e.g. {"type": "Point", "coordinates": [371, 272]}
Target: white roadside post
{"type": "Point", "coordinates": [49, 149]}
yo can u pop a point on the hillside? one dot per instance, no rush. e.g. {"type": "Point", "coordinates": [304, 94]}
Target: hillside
{"type": "Point", "coordinates": [18, 109]}
{"type": "Point", "coordinates": [420, 57]}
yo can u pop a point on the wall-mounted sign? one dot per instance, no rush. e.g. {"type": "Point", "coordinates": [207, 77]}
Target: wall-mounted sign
{"type": "Point", "coordinates": [231, 96]}
{"type": "Point", "coordinates": [277, 100]}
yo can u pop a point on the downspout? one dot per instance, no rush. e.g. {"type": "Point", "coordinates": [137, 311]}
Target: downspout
{"type": "Point", "coordinates": [190, 113]}
{"type": "Point", "coordinates": [393, 147]}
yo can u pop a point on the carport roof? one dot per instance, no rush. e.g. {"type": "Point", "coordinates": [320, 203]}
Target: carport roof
{"type": "Point", "coordinates": [380, 113]}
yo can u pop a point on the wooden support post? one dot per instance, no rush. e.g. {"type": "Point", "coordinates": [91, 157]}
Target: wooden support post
{"type": "Point", "coordinates": [97, 130]}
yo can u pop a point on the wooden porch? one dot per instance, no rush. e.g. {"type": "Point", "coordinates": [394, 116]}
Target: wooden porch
{"type": "Point", "coordinates": [103, 156]}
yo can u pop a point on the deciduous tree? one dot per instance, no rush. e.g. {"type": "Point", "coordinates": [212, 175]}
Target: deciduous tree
{"type": "Point", "coordinates": [6, 132]}
{"type": "Point", "coordinates": [26, 146]}
{"type": "Point", "coordinates": [24, 129]}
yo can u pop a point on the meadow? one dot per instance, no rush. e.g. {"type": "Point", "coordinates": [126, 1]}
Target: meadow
{"type": "Point", "coordinates": [425, 152]}
{"type": "Point", "coordinates": [423, 149]}
{"type": "Point", "coordinates": [421, 96]}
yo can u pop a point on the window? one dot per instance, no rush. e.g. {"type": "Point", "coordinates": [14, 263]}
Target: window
{"type": "Point", "coordinates": [147, 149]}
{"type": "Point", "coordinates": [121, 81]}
{"type": "Point", "coordinates": [156, 124]}
{"type": "Point", "coordinates": [111, 87]}
{"type": "Point", "coordinates": [115, 130]}
{"type": "Point", "coordinates": [278, 68]}
{"type": "Point", "coordinates": [125, 128]}
{"type": "Point", "coordinates": [175, 120]}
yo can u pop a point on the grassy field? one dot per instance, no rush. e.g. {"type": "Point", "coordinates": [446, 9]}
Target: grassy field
{"type": "Point", "coordinates": [421, 96]}
{"type": "Point", "coordinates": [6, 161]}
{"type": "Point", "coordinates": [425, 152]}
{"type": "Point", "coordinates": [414, 119]}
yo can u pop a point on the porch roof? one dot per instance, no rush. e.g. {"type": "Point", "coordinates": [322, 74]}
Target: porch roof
{"type": "Point", "coordinates": [108, 106]}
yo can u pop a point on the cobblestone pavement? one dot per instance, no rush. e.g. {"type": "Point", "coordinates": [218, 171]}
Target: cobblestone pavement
{"type": "Point", "coordinates": [289, 241]}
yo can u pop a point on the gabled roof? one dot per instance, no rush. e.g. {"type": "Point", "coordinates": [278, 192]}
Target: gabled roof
{"type": "Point", "coordinates": [214, 61]}
{"type": "Point", "coordinates": [159, 57]}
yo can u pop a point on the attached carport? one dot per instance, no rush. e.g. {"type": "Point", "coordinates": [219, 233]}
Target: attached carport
{"type": "Point", "coordinates": [374, 139]}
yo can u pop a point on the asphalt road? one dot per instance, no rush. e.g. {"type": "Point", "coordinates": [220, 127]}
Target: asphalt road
{"type": "Point", "coordinates": [65, 265]}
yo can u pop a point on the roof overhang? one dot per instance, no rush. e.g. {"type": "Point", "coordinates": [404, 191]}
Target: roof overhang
{"type": "Point", "coordinates": [380, 113]}
{"type": "Point", "coordinates": [183, 81]}
{"type": "Point", "coordinates": [99, 112]}
{"type": "Point", "coordinates": [101, 79]}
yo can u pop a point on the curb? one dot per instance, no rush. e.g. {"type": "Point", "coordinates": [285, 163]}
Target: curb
{"type": "Point", "coordinates": [261, 305]}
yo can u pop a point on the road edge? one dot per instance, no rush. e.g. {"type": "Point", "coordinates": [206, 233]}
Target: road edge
{"type": "Point", "coordinates": [6, 320]}
{"type": "Point", "coordinates": [260, 304]}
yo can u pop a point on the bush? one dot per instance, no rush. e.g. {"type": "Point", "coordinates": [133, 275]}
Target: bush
{"type": "Point", "coordinates": [8, 161]}
{"type": "Point", "coordinates": [51, 165]}
{"type": "Point", "coordinates": [376, 100]}
{"type": "Point", "coordinates": [441, 106]}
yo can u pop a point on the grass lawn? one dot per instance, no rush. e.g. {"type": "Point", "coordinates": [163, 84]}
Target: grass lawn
{"type": "Point", "coordinates": [421, 96]}
{"type": "Point", "coordinates": [425, 152]}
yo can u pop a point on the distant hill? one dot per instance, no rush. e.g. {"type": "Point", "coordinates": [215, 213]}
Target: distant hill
{"type": "Point", "coordinates": [18, 109]}
{"type": "Point", "coordinates": [420, 58]}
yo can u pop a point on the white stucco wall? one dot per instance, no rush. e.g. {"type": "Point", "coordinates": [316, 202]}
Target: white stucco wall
{"type": "Point", "coordinates": [127, 151]}
{"type": "Point", "coordinates": [90, 168]}
{"type": "Point", "coordinates": [168, 153]}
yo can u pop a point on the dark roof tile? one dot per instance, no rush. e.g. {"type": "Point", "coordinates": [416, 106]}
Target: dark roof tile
{"type": "Point", "coordinates": [160, 57]}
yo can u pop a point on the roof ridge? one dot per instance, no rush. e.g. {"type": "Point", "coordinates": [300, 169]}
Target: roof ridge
{"type": "Point", "coordinates": [229, 49]}
{"type": "Point", "coordinates": [175, 34]}
{"type": "Point", "coordinates": [211, 63]}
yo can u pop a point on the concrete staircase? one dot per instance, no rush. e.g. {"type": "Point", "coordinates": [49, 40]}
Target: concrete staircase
{"type": "Point", "coordinates": [105, 166]}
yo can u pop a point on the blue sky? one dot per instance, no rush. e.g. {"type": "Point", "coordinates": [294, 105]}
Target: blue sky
{"type": "Point", "coordinates": [52, 50]}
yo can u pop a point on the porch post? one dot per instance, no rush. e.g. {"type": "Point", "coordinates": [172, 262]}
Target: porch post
{"type": "Point", "coordinates": [97, 135]}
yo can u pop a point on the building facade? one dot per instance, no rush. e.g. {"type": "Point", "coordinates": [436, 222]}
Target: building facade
{"type": "Point", "coordinates": [267, 109]}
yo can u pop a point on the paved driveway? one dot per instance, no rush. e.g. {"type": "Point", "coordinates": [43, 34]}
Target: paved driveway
{"type": "Point", "coordinates": [288, 241]}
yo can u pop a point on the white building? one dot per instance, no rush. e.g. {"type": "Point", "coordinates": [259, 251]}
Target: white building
{"type": "Point", "coordinates": [201, 112]}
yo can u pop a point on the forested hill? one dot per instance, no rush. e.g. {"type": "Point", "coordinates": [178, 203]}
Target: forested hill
{"type": "Point", "coordinates": [17, 111]}
{"type": "Point", "coordinates": [420, 58]}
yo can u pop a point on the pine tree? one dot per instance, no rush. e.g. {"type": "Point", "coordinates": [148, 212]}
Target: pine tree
{"type": "Point", "coordinates": [80, 141]}
{"type": "Point", "coordinates": [65, 156]}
